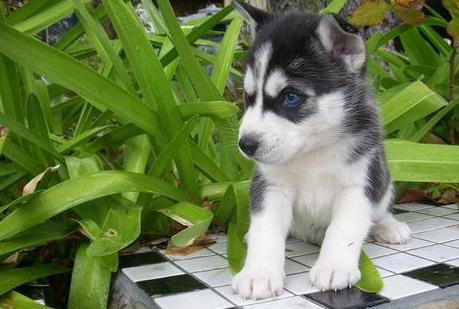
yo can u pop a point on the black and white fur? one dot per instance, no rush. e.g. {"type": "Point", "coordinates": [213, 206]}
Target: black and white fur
{"type": "Point", "coordinates": [321, 173]}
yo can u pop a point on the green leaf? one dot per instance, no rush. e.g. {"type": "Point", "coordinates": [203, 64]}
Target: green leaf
{"type": "Point", "coordinates": [29, 135]}
{"type": "Point", "coordinates": [135, 159]}
{"type": "Point", "coordinates": [38, 235]}
{"type": "Point", "coordinates": [101, 42]}
{"type": "Point", "coordinates": [418, 49]}
{"type": "Point", "coordinates": [334, 7]}
{"type": "Point", "coordinates": [224, 58]}
{"type": "Point", "coordinates": [89, 84]}
{"type": "Point", "coordinates": [91, 278]}
{"type": "Point", "coordinates": [46, 17]}
{"type": "Point", "coordinates": [195, 218]}
{"type": "Point", "coordinates": [370, 280]}
{"type": "Point", "coordinates": [80, 190]}
{"type": "Point", "coordinates": [13, 277]}
{"type": "Point", "coordinates": [409, 105]}
{"type": "Point", "coordinates": [433, 121]}
{"type": "Point", "coordinates": [226, 207]}
{"type": "Point", "coordinates": [415, 162]}
{"type": "Point", "coordinates": [150, 75]}
{"type": "Point", "coordinates": [237, 249]}
{"type": "Point", "coordinates": [19, 301]}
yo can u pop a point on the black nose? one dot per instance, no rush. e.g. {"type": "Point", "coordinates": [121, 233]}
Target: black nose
{"type": "Point", "coordinates": [248, 145]}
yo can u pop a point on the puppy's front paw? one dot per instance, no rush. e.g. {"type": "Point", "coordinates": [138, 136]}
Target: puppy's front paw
{"type": "Point", "coordinates": [258, 282]}
{"type": "Point", "coordinates": [334, 275]}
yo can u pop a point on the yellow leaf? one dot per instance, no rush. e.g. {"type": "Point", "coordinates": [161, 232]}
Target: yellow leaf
{"type": "Point", "coordinates": [369, 13]}
{"type": "Point", "coordinates": [410, 16]}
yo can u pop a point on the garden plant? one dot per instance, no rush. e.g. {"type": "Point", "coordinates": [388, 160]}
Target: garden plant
{"type": "Point", "coordinates": [108, 137]}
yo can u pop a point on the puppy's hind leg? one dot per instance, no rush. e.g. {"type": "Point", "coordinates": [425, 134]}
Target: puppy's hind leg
{"type": "Point", "coordinates": [390, 230]}
{"type": "Point", "coordinates": [386, 228]}
{"type": "Point", "coordinates": [263, 273]}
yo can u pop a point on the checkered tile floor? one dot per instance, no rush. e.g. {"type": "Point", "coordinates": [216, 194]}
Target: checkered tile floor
{"type": "Point", "coordinates": [202, 280]}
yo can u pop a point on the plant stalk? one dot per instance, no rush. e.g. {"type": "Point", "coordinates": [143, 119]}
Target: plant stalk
{"type": "Point", "coordinates": [451, 94]}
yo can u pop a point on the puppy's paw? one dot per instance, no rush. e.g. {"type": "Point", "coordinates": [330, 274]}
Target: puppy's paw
{"type": "Point", "coordinates": [258, 282]}
{"type": "Point", "coordinates": [334, 275]}
{"type": "Point", "coordinates": [391, 231]}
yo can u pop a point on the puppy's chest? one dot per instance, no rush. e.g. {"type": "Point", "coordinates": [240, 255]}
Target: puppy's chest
{"type": "Point", "coordinates": [315, 194]}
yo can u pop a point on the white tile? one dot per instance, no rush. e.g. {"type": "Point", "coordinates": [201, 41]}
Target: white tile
{"type": "Point", "coordinates": [452, 206]}
{"type": "Point", "coordinates": [413, 243]}
{"type": "Point", "coordinates": [453, 262]}
{"type": "Point", "coordinates": [203, 263]}
{"type": "Point", "coordinates": [430, 224]}
{"type": "Point", "coordinates": [292, 240]}
{"type": "Point", "coordinates": [374, 250]}
{"type": "Point", "coordinates": [151, 271]}
{"type": "Point", "coordinates": [412, 206]}
{"type": "Point", "coordinates": [219, 237]}
{"type": "Point", "coordinates": [292, 267]}
{"type": "Point", "coordinates": [384, 273]}
{"type": "Point", "coordinates": [299, 284]}
{"type": "Point", "coordinates": [219, 247]}
{"type": "Point", "coordinates": [227, 292]}
{"type": "Point", "coordinates": [401, 286]}
{"type": "Point", "coordinates": [411, 216]}
{"type": "Point", "coordinates": [437, 211]}
{"type": "Point", "coordinates": [438, 253]}
{"type": "Point", "coordinates": [203, 299]}
{"type": "Point", "coordinates": [441, 235]}
{"type": "Point", "coordinates": [454, 243]}
{"type": "Point", "coordinates": [453, 217]}
{"type": "Point", "coordinates": [299, 248]}
{"type": "Point", "coordinates": [307, 260]}
{"type": "Point", "coordinates": [291, 302]}
{"type": "Point", "coordinates": [216, 277]}
{"type": "Point", "coordinates": [200, 253]}
{"type": "Point", "coordinates": [401, 262]}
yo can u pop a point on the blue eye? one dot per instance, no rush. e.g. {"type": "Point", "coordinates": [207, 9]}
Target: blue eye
{"type": "Point", "coordinates": [291, 99]}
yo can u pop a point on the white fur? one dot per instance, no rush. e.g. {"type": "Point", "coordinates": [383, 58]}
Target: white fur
{"type": "Point", "coordinates": [282, 139]}
{"type": "Point", "coordinates": [250, 85]}
{"type": "Point", "coordinates": [263, 272]}
{"type": "Point", "coordinates": [314, 192]}
{"type": "Point", "coordinates": [275, 82]}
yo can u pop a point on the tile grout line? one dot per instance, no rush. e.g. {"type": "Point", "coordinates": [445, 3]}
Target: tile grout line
{"type": "Point", "coordinates": [191, 274]}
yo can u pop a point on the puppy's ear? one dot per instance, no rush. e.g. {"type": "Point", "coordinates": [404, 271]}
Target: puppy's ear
{"type": "Point", "coordinates": [341, 40]}
{"type": "Point", "coordinates": [255, 17]}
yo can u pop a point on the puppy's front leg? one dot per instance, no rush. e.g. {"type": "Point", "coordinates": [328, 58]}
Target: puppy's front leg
{"type": "Point", "coordinates": [338, 264]}
{"type": "Point", "coordinates": [263, 273]}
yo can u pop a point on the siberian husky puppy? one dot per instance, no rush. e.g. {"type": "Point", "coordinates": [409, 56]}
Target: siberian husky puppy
{"type": "Point", "coordinates": [312, 127]}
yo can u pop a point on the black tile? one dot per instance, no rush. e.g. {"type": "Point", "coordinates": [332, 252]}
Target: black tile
{"type": "Point", "coordinates": [347, 299]}
{"type": "Point", "coordinates": [396, 211]}
{"type": "Point", "coordinates": [32, 291]}
{"type": "Point", "coordinates": [138, 259]}
{"type": "Point", "coordinates": [171, 285]}
{"type": "Point", "coordinates": [441, 274]}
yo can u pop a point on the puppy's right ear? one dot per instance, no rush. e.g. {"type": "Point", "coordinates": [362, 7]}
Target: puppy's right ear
{"type": "Point", "coordinates": [255, 17]}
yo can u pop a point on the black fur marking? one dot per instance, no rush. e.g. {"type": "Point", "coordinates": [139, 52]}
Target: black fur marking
{"type": "Point", "coordinates": [299, 54]}
{"type": "Point", "coordinates": [257, 191]}
{"type": "Point", "coordinates": [295, 114]}
{"type": "Point", "coordinates": [378, 178]}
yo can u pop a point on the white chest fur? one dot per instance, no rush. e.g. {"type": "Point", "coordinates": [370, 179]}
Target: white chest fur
{"type": "Point", "coordinates": [316, 178]}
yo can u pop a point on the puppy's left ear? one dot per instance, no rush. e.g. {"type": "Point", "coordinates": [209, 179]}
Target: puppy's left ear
{"type": "Point", "coordinates": [255, 17]}
{"type": "Point", "coordinates": [342, 41]}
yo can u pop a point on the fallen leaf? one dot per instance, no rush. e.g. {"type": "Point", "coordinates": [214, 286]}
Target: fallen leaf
{"type": "Point", "coordinates": [32, 185]}
{"type": "Point", "coordinates": [413, 196]}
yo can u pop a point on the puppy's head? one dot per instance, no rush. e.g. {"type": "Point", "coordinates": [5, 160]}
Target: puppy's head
{"type": "Point", "coordinates": [300, 71]}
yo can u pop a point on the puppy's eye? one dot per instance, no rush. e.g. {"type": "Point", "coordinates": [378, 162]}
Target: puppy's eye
{"type": "Point", "coordinates": [291, 99]}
